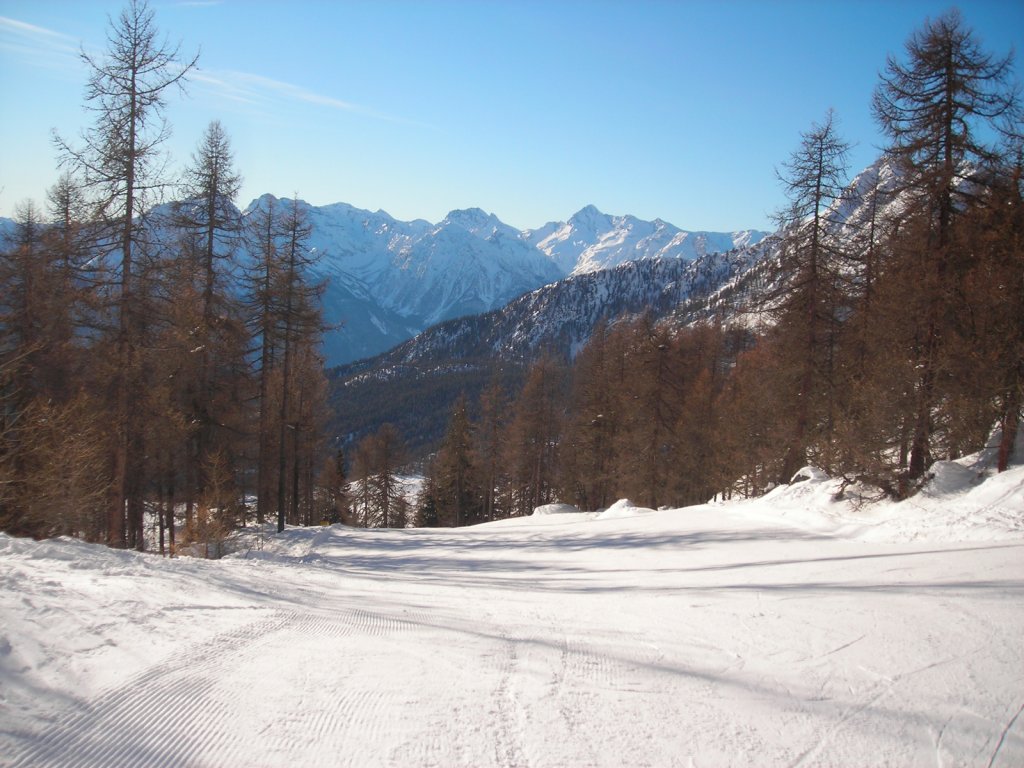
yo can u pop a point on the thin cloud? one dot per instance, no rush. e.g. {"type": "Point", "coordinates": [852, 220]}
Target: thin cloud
{"type": "Point", "coordinates": [31, 30]}
{"type": "Point", "coordinates": [49, 48]}
{"type": "Point", "coordinates": [38, 45]}
{"type": "Point", "coordinates": [258, 84]}
{"type": "Point", "coordinates": [259, 91]}
{"type": "Point", "coordinates": [20, 33]}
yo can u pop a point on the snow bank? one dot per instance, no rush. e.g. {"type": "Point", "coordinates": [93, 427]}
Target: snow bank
{"type": "Point", "coordinates": [555, 509]}
{"type": "Point", "coordinates": [622, 508]}
{"type": "Point", "coordinates": [963, 500]}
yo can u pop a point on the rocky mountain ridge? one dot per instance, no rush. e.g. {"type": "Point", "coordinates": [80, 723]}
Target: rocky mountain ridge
{"type": "Point", "coordinates": [388, 280]}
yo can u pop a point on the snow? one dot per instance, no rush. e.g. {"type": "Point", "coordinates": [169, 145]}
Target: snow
{"type": "Point", "coordinates": [555, 509]}
{"type": "Point", "coordinates": [795, 629]}
{"type": "Point", "coordinates": [622, 508]}
{"type": "Point", "coordinates": [592, 241]}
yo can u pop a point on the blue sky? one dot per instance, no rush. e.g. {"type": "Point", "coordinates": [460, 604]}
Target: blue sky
{"type": "Point", "coordinates": [529, 110]}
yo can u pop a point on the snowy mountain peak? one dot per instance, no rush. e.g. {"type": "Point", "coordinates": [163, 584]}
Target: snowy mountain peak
{"type": "Point", "coordinates": [264, 201]}
{"type": "Point", "coordinates": [389, 279]}
{"type": "Point", "coordinates": [589, 218]}
{"type": "Point", "coordinates": [592, 240]}
{"type": "Point", "coordinates": [260, 203]}
{"type": "Point", "coordinates": [475, 221]}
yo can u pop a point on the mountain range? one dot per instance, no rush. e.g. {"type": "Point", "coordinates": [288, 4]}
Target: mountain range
{"type": "Point", "coordinates": [388, 280]}
{"type": "Point", "coordinates": [413, 384]}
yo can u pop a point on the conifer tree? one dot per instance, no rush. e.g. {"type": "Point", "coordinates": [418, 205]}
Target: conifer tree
{"type": "Point", "coordinates": [588, 457]}
{"type": "Point", "coordinates": [455, 491]}
{"type": "Point", "coordinates": [285, 320]}
{"type": "Point", "coordinates": [209, 226]}
{"type": "Point", "coordinates": [298, 320]}
{"type": "Point", "coordinates": [532, 436]}
{"type": "Point", "coordinates": [645, 443]}
{"type": "Point", "coordinates": [362, 478]}
{"type": "Point", "coordinates": [814, 179]}
{"type": "Point", "coordinates": [332, 481]}
{"type": "Point", "coordinates": [487, 448]}
{"type": "Point", "coordinates": [388, 453]}
{"type": "Point", "coordinates": [938, 107]}
{"type": "Point", "coordinates": [989, 348]}
{"type": "Point", "coordinates": [120, 164]}
{"type": "Point", "coordinates": [260, 280]}
{"type": "Point", "coordinates": [426, 503]}
{"type": "Point", "coordinates": [698, 473]}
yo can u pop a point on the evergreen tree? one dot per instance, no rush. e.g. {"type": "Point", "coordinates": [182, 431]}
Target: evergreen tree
{"type": "Point", "coordinates": [455, 483]}
{"type": "Point", "coordinates": [388, 454]}
{"type": "Point", "coordinates": [532, 436]}
{"type": "Point", "coordinates": [120, 165]}
{"type": "Point", "coordinates": [209, 226]}
{"type": "Point", "coordinates": [487, 448]}
{"type": "Point", "coordinates": [807, 326]}
{"type": "Point", "coordinates": [332, 481]}
{"type": "Point", "coordinates": [937, 108]}
{"type": "Point", "coordinates": [426, 503]}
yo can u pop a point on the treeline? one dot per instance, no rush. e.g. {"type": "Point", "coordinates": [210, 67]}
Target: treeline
{"type": "Point", "coordinates": [894, 337]}
{"type": "Point", "coordinates": [157, 363]}
{"type": "Point", "coordinates": [635, 415]}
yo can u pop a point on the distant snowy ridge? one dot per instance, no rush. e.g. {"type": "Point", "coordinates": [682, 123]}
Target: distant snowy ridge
{"type": "Point", "coordinates": [874, 202]}
{"type": "Point", "coordinates": [592, 240]}
{"type": "Point", "coordinates": [389, 280]}
{"type": "Point", "coordinates": [561, 316]}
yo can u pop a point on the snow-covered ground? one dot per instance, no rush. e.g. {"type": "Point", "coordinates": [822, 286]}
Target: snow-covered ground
{"type": "Point", "coordinates": [790, 630]}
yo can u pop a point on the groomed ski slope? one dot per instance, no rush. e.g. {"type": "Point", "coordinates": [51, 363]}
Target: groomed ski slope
{"type": "Point", "coordinates": [787, 631]}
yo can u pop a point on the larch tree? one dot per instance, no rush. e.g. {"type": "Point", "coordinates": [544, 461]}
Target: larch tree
{"type": "Point", "coordinates": [310, 414]}
{"type": "Point", "coordinates": [942, 109]}
{"type": "Point", "coordinates": [650, 405]}
{"type": "Point", "coordinates": [362, 482]}
{"type": "Point", "coordinates": [388, 453]}
{"type": "Point", "coordinates": [698, 475]}
{"type": "Point", "coordinates": [454, 473]}
{"type": "Point", "coordinates": [122, 165]}
{"type": "Point", "coordinates": [210, 226]}
{"type": "Point", "coordinates": [285, 321]}
{"type": "Point", "coordinates": [51, 444]}
{"type": "Point", "coordinates": [532, 436]}
{"type": "Point", "coordinates": [588, 455]}
{"type": "Point", "coordinates": [814, 179]}
{"type": "Point", "coordinates": [990, 341]}
{"type": "Point", "coordinates": [260, 280]}
{"type": "Point", "coordinates": [297, 321]}
{"type": "Point", "coordinates": [487, 447]}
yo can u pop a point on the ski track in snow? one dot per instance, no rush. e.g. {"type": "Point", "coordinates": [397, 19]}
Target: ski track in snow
{"type": "Point", "coordinates": [678, 638]}
{"type": "Point", "coordinates": [186, 707]}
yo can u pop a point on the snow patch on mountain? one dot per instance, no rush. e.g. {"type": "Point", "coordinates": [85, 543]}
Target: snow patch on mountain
{"type": "Point", "coordinates": [591, 240]}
